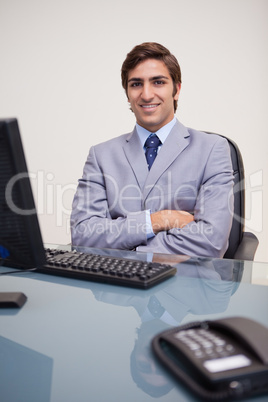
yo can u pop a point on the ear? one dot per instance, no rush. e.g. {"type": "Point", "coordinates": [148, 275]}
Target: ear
{"type": "Point", "coordinates": [176, 96]}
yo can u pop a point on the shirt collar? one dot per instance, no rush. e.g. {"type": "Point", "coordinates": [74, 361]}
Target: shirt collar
{"type": "Point", "coordinates": [162, 133]}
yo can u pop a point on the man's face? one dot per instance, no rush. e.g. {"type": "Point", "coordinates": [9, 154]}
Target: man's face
{"type": "Point", "coordinates": [150, 93]}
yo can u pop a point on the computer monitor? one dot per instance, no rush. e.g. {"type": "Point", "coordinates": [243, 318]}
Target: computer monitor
{"type": "Point", "coordinates": [21, 244]}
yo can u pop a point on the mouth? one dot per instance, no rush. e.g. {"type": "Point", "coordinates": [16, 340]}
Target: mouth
{"type": "Point", "coordinates": [150, 107]}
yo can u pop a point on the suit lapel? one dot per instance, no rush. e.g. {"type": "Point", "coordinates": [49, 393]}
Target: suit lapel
{"type": "Point", "coordinates": [136, 158]}
{"type": "Point", "coordinates": [176, 142]}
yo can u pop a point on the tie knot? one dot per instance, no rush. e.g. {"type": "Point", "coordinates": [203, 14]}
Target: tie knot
{"type": "Point", "coordinates": [152, 141]}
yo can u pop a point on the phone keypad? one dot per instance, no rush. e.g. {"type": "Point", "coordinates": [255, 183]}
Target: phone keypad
{"type": "Point", "coordinates": [205, 344]}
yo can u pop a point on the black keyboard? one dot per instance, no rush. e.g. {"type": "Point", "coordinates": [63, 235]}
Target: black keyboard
{"type": "Point", "coordinates": [107, 269]}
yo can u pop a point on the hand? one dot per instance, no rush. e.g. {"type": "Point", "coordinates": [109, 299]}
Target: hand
{"type": "Point", "coordinates": [170, 259]}
{"type": "Point", "coordinates": [169, 219]}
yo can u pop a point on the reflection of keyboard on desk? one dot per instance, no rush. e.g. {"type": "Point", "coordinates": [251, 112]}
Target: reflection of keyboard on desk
{"type": "Point", "coordinates": [107, 269]}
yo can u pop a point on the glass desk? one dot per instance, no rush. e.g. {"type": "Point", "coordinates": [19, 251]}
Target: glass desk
{"type": "Point", "coordinates": [83, 341]}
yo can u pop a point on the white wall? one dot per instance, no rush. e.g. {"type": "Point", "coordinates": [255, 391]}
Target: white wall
{"type": "Point", "coordinates": [60, 76]}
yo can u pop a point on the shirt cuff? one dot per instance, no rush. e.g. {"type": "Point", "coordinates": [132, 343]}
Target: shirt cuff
{"type": "Point", "coordinates": [149, 228]}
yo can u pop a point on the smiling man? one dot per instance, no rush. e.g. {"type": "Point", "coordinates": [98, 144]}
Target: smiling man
{"type": "Point", "coordinates": [162, 188]}
{"type": "Point", "coordinates": [151, 94]}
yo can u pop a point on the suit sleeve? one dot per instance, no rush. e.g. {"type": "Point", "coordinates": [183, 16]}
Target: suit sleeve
{"type": "Point", "coordinates": [91, 222]}
{"type": "Point", "coordinates": [208, 234]}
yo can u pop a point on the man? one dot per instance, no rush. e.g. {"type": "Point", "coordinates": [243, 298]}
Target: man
{"type": "Point", "coordinates": [179, 201]}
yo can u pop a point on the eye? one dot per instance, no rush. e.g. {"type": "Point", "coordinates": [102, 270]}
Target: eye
{"type": "Point", "coordinates": [159, 82]}
{"type": "Point", "coordinates": [135, 84]}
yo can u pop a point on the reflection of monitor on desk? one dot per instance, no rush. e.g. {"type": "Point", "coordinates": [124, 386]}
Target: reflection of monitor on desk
{"type": "Point", "coordinates": [20, 238]}
{"type": "Point", "coordinates": [30, 371]}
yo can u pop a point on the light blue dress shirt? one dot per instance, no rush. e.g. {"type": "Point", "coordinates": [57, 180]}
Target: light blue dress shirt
{"type": "Point", "coordinates": [162, 134]}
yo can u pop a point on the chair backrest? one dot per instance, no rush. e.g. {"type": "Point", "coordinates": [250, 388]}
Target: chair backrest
{"type": "Point", "coordinates": [237, 229]}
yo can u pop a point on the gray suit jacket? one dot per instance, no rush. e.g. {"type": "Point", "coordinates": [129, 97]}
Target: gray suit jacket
{"type": "Point", "coordinates": [192, 172]}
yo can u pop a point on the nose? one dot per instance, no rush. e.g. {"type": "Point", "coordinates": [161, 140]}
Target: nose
{"type": "Point", "coordinates": [147, 93]}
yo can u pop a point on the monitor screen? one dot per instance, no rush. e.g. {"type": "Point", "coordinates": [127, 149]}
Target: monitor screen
{"type": "Point", "coordinates": [21, 244]}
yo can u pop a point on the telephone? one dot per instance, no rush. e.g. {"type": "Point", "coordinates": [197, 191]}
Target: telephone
{"type": "Point", "coordinates": [218, 360]}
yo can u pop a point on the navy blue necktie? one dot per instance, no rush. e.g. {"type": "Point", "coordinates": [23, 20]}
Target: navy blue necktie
{"type": "Point", "coordinates": [151, 144]}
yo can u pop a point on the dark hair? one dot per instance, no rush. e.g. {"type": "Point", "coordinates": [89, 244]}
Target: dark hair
{"type": "Point", "coordinates": [151, 50]}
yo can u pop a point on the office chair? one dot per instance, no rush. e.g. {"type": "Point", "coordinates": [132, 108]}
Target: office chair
{"type": "Point", "coordinates": [242, 245]}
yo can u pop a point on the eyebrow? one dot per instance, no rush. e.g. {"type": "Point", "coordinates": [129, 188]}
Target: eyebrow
{"type": "Point", "coordinates": [158, 77]}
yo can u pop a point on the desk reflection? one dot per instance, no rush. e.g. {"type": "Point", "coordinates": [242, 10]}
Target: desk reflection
{"type": "Point", "coordinates": [168, 304]}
